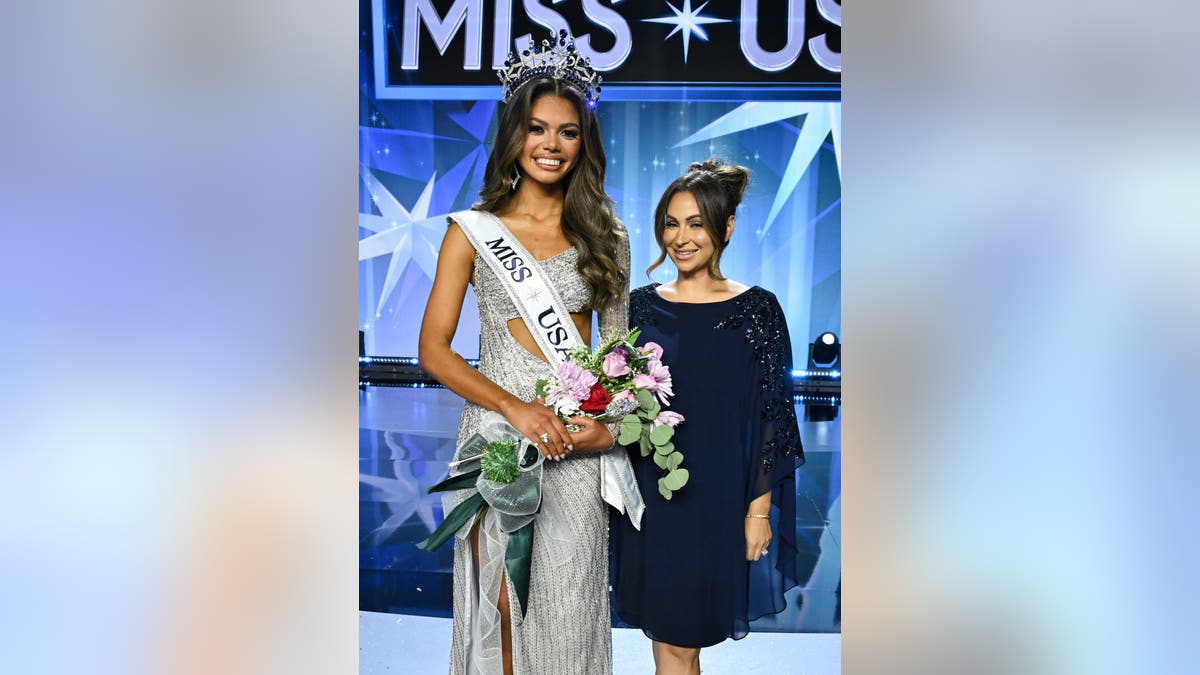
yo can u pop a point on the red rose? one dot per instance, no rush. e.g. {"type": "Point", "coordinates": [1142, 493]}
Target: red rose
{"type": "Point", "coordinates": [597, 401]}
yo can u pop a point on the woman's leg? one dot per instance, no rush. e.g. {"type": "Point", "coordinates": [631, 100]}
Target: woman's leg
{"type": "Point", "coordinates": [501, 604]}
{"type": "Point", "coordinates": [672, 660]}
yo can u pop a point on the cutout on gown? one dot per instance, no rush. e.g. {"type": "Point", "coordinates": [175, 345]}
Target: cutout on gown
{"type": "Point", "coordinates": [525, 340]}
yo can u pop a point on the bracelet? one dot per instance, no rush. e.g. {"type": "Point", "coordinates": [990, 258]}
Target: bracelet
{"type": "Point", "coordinates": [757, 515]}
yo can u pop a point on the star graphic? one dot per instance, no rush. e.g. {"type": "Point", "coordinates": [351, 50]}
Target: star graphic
{"type": "Point", "coordinates": [406, 235]}
{"type": "Point", "coordinates": [415, 235]}
{"type": "Point", "coordinates": [402, 496]}
{"type": "Point", "coordinates": [689, 20]}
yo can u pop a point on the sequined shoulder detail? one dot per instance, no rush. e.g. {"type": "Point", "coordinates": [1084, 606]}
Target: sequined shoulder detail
{"type": "Point", "coordinates": [757, 312]}
{"type": "Point", "coordinates": [750, 303]}
{"type": "Point", "coordinates": [639, 307]}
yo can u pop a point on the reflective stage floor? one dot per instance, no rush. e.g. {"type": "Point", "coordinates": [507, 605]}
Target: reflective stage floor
{"type": "Point", "coordinates": [391, 644]}
{"type": "Point", "coordinates": [406, 437]}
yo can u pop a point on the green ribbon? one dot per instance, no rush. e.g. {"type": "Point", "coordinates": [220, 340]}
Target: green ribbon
{"type": "Point", "coordinates": [517, 559]}
{"type": "Point", "coordinates": [518, 556]}
{"type": "Point", "coordinates": [461, 515]}
{"type": "Point", "coordinates": [459, 482]}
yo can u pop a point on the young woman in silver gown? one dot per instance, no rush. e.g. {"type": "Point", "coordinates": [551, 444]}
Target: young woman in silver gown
{"type": "Point", "coordinates": [544, 181]}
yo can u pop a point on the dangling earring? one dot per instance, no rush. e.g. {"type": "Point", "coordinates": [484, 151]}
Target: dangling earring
{"type": "Point", "coordinates": [516, 177]}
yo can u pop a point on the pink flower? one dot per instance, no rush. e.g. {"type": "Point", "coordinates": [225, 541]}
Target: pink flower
{"type": "Point", "coordinates": [652, 348]}
{"type": "Point", "coordinates": [645, 382]}
{"type": "Point", "coordinates": [615, 365]}
{"type": "Point", "coordinates": [667, 418]}
{"type": "Point", "coordinates": [624, 395]}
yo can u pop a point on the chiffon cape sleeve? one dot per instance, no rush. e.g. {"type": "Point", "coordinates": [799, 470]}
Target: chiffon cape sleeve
{"type": "Point", "coordinates": [773, 453]}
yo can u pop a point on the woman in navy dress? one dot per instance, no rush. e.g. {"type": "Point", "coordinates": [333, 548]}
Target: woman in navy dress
{"type": "Point", "coordinates": [722, 551]}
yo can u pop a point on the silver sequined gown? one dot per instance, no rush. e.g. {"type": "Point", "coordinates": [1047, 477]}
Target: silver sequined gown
{"type": "Point", "coordinates": [566, 629]}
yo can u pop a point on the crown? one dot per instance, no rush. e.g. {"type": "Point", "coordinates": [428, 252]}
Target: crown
{"type": "Point", "coordinates": [552, 58]}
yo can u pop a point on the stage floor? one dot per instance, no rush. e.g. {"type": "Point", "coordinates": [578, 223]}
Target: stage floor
{"type": "Point", "coordinates": [407, 436]}
{"type": "Point", "coordinates": [390, 644]}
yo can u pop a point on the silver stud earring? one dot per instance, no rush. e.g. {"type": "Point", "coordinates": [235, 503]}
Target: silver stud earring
{"type": "Point", "coordinates": [516, 177]}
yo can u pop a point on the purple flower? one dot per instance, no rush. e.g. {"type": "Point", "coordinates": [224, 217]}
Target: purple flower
{"type": "Point", "coordinates": [667, 418]}
{"type": "Point", "coordinates": [615, 365]}
{"type": "Point", "coordinates": [561, 400]}
{"type": "Point", "coordinates": [575, 381]}
{"type": "Point", "coordinates": [662, 378]}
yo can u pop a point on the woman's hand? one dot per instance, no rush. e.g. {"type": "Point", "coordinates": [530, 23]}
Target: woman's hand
{"type": "Point", "coordinates": [758, 537]}
{"type": "Point", "coordinates": [541, 426]}
{"type": "Point", "coordinates": [592, 436]}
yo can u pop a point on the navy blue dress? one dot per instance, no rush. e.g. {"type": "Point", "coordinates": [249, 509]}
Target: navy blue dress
{"type": "Point", "coordinates": [684, 578]}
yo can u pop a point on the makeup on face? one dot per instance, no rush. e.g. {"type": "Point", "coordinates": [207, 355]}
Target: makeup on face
{"type": "Point", "coordinates": [687, 241]}
{"type": "Point", "coordinates": [553, 141]}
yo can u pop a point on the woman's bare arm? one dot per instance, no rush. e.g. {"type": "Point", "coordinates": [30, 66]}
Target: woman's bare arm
{"type": "Point", "coordinates": [456, 261]}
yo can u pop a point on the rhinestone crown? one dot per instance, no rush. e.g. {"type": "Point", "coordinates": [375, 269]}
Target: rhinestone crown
{"type": "Point", "coordinates": [552, 58]}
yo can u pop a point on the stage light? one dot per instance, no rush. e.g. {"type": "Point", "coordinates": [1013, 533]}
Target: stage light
{"type": "Point", "coordinates": [824, 364]}
{"type": "Point", "coordinates": [825, 352]}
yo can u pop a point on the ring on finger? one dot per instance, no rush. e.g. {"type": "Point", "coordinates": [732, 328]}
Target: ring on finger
{"type": "Point", "coordinates": [545, 438]}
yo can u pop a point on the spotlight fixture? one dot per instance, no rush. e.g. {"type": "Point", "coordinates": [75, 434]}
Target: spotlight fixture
{"type": "Point", "coordinates": [824, 352]}
{"type": "Point", "coordinates": [824, 361]}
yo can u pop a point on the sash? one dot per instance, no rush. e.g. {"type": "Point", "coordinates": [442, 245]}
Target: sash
{"type": "Point", "coordinates": [547, 318]}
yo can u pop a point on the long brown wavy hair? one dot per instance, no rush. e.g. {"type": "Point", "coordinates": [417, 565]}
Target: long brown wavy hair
{"type": "Point", "coordinates": [718, 189]}
{"type": "Point", "coordinates": [587, 219]}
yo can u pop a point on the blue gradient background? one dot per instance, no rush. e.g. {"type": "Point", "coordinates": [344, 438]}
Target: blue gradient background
{"type": "Point", "coordinates": [423, 160]}
{"type": "Point", "coordinates": [180, 192]}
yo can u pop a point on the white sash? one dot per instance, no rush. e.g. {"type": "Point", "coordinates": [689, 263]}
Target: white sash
{"type": "Point", "coordinates": [550, 323]}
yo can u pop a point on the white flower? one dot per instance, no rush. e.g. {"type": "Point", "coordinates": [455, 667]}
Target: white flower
{"type": "Point", "coordinates": [667, 418]}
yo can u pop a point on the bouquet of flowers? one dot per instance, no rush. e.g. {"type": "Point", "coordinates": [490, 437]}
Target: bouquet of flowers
{"type": "Point", "coordinates": [619, 382]}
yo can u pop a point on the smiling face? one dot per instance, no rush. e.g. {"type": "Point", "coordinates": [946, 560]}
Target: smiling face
{"type": "Point", "coordinates": [553, 142]}
{"type": "Point", "coordinates": [687, 241]}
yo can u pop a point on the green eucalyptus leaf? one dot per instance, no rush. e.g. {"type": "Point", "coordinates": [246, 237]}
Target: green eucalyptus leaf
{"type": "Point", "coordinates": [652, 410]}
{"type": "Point", "coordinates": [645, 399]}
{"type": "Point", "coordinates": [665, 449]}
{"type": "Point", "coordinates": [674, 460]}
{"type": "Point", "coordinates": [660, 460]}
{"type": "Point", "coordinates": [661, 434]}
{"type": "Point", "coordinates": [663, 490]}
{"type": "Point", "coordinates": [675, 479]}
{"type": "Point", "coordinates": [627, 435]}
{"type": "Point", "coordinates": [644, 444]}
{"type": "Point", "coordinates": [629, 430]}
